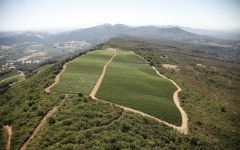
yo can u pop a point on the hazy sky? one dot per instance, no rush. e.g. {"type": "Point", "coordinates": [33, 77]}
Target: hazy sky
{"type": "Point", "coordinates": [45, 14]}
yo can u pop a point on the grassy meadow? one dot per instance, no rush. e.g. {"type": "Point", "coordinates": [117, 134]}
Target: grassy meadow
{"type": "Point", "coordinates": [82, 73]}
{"type": "Point", "coordinates": [131, 82]}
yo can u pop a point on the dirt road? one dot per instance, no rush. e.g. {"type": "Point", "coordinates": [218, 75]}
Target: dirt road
{"type": "Point", "coordinates": [8, 129]}
{"type": "Point", "coordinates": [56, 79]}
{"type": "Point", "coordinates": [42, 123]}
{"type": "Point", "coordinates": [50, 113]}
{"type": "Point", "coordinates": [99, 81]}
{"type": "Point", "coordinates": [184, 127]}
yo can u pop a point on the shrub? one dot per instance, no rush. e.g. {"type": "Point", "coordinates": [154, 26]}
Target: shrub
{"type": "Point", "coordinates": [51, 121]}
{"type": "Point", "coordinates": [199, 122]}
{"type": "Point", "coordinates": [62, 96]}
{"type": "Point", "coordinates": [40, 113]}
{"type": "Point", "coordinates": [223, 109]}
{"type": "Point", "coordinates": [80, 94]}
{"type": "Point", "coordinates": [125, 128]}
{"type": "Point", "coordinates": [7, 122]}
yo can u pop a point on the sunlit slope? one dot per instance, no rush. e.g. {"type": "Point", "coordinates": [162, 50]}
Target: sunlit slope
{"type": "Point", "coordinates": [131, 82]}
{"type": "Point", "coordinates": [82, 73]}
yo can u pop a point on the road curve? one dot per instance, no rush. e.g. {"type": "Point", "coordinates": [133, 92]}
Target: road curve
{"type": "Point", "coordinates": [182, 129]}
{"type": "Point", "coordinates": [57, 78]}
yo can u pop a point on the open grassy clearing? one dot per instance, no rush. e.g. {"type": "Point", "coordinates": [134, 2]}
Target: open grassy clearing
{"type": "Point", "coordinates": [82, 73]}
{"type": "Point", "coordinates": [131, 82]}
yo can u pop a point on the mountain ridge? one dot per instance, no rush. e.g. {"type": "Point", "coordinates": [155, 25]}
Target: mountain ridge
{"type": "Point", "coordinates": [104, 32]}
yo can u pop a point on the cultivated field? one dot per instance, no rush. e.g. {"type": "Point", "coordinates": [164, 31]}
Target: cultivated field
{"type": "Point", "coordinates": [82, 73]}
{"type": "Point", "coordinates": [131, 82]}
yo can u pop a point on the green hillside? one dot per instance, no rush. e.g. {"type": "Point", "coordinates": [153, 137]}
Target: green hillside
{"type": "Point", "coordinates": [131, 82]}
{"type": "Point", "coordinates": [210, 91]}
{"type": "Point", "coordinates": [82, 73]}
{"type": "Point", "coordinates": [209, 96]}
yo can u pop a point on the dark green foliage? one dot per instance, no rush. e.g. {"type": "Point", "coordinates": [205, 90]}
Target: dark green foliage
{"type": "Point", "coordinates": [80, 94]}
{"type": "Point", "coordinates": [125, 128]}
{"type": "Point", "coordinates": [5, 86]}
{"type": "Point", "coordinates": [51, 121]}
{"type": "Point", "coordinates": [7, 122]}
{"type": "Point", "coordinates": [40, 113]}
{"type": "Point", "coordinates": [97, 125]}
{"type": "Point", "coordinates": [24, 104]}
{"type": "Point", "coordinates": [62, 96]}
{"type": "Point", "coordinates": [223, 109]}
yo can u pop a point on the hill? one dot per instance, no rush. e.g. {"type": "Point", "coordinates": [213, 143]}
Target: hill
{"type": "Point", "coordinates": [210, 91]}
{"type": "Point", "coordinates": [210, 86]}
{"type": "Point", "coordinates": [79, 122]}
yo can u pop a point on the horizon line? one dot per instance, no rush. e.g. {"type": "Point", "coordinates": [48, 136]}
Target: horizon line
{"type": "Point", "coordinates": [62, 29]}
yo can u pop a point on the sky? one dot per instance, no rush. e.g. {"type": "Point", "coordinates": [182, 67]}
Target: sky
{"type": "Point", "coordinates": [16, 15]}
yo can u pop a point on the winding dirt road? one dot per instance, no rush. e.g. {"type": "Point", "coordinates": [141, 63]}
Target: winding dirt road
{"type": "Point", "coordinates": [8, 129]}
{"type": "Point", "coordinates": [50, 112]}
{"type": "Point", "coordinates": [182, 129]}
{"type": "Point", "coordinates": [57, 78]}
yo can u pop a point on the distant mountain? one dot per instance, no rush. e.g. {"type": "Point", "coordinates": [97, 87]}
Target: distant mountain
{"type": "Point", "coordinates": [7, 34]}
{"type": "Point", "coordinates": [226, 35]}
{"type": "Point", "coordinates": [24, 38]}
{"type": "Point", "coordinates": [93, 35]}
{"type": "Point", "coordinates": [103, 33]}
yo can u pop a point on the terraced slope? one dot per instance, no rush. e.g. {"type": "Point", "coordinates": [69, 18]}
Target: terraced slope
{"type": "Point", "coordinates": [131, 82]}
{"type": "Point", "coordinates": [82, 73]}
